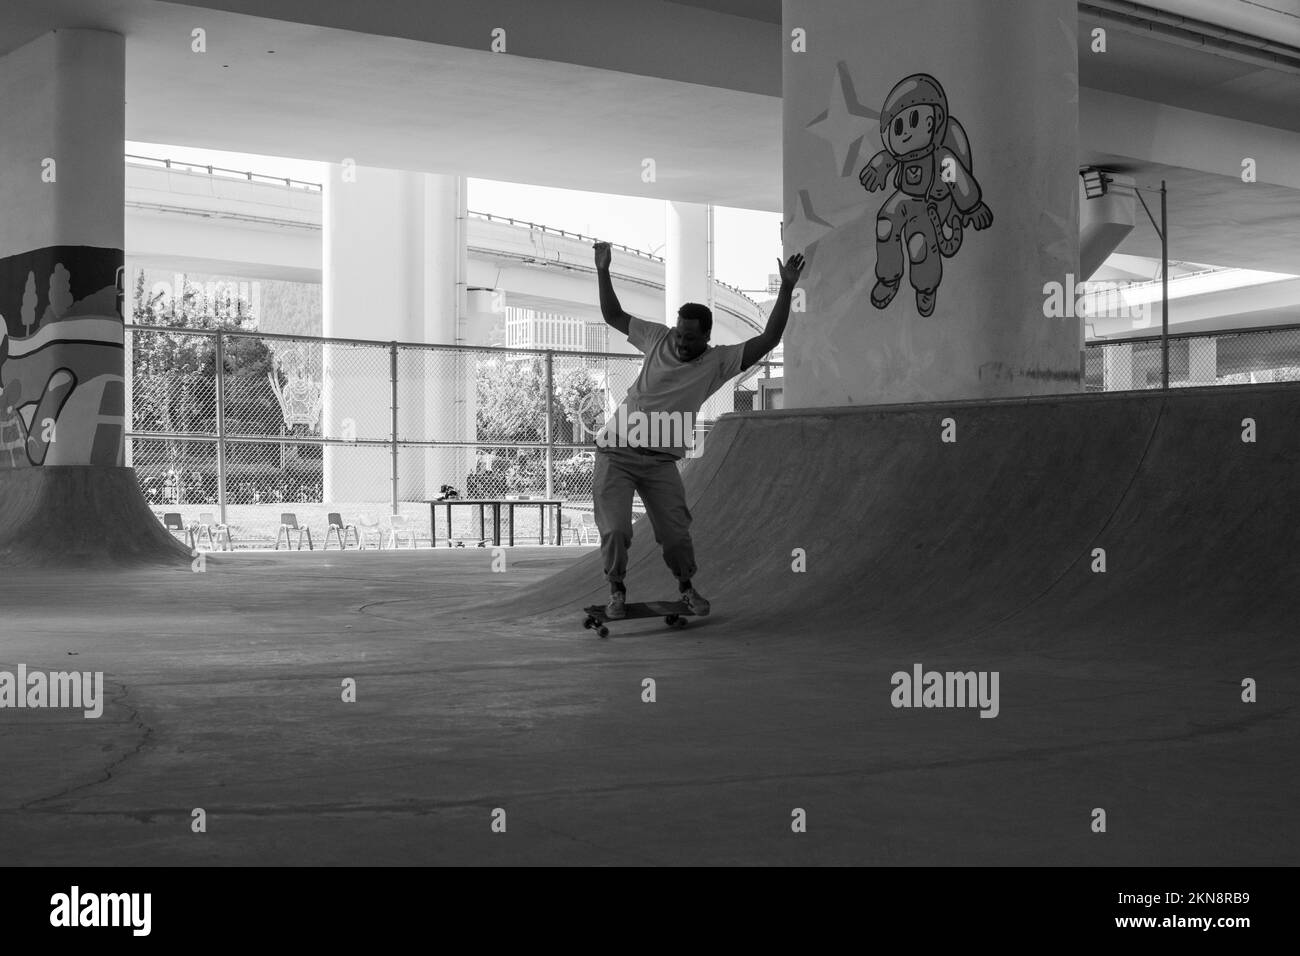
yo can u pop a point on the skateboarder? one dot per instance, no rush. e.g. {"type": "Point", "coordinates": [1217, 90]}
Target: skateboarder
{"type": "Point", "coordinates": [639, 448]}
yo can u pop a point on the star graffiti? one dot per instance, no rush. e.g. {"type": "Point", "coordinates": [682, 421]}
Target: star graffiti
{"type": "Point", "coordinates": [845, 122]}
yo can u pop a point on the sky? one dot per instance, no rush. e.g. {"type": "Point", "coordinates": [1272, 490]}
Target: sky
{"type": "Point", "coordinates": [747, 246]}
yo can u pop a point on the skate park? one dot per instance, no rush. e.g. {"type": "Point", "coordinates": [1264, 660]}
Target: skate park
{"type": "Point", "coordinates": [939, 491]}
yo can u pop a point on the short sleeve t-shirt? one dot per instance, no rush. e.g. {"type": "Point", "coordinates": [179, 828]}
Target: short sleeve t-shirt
{"type": "Point", "coordinates": [661, 405]}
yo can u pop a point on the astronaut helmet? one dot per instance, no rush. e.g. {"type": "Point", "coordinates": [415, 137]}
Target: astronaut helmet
{"type": "Point", "coordinates": [919, 89]}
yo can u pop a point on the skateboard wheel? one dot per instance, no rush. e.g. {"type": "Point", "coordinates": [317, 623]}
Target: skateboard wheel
{"type": "Point", "coordinates": [670, 620]}
{"type": "Point", "coordinates": [603, 632]}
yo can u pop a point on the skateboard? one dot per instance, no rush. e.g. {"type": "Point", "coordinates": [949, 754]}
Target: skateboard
{"type": "Point", "coordinates": [674, 614]}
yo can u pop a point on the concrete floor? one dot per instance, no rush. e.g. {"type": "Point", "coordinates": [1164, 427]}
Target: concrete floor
{"type": "Point", "coordinates": [225, 694]}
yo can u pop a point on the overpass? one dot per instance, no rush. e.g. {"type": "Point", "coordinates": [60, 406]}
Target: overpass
{"type": "Point", "coordinates": [196, 219]}
{"type": "Point", "coordinates": [202, 220]}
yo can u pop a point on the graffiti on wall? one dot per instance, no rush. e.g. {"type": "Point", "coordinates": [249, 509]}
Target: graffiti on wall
{"type": "Point", "coordinates": [927, 159]}
{"type": "Point", "coordinates": [62, 392]}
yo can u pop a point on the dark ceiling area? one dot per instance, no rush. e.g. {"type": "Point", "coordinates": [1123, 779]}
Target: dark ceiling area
{"type": "Point", "coordinates": [1154, 68]}
{"type": "Point", "coordinates": [768, 11]}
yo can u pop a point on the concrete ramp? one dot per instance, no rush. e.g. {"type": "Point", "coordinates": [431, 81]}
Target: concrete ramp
{"type": "Point", "coordinates": [999, 534]}
{"type": "Point", "coordinates": [80, 515]}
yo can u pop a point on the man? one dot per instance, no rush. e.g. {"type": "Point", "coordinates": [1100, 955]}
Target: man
{"type": "Point", "coordinates": [638, 450]}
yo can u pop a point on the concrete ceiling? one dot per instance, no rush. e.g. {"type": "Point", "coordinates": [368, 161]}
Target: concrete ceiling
{"type": "Point", "coordinates": [1145, 65]}
{"type": "Point", "coordinates": [768, 11]}
{"type": "Point", "coordinates": [1213, 220]}
{"type": "Point", "coordinates": [328, 94]}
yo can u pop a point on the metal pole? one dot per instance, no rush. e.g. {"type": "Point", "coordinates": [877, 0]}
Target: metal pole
{"type": "Point", "coordinates": [709, 234]}
{"type": "Point", "coordinates": [550, 438]}
{"type": "Point", "coordinates": [1164, 284]}
{"type": "Point", "coordinates": [221, 425]}
{"type": "Point", "coordinates": [392, 376]}
{"type": "Point", "coordinates": [128, 405]}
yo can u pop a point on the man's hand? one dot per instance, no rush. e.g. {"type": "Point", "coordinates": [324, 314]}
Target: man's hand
{"type": "Point", "coordinates": [603, 255]}
{"type": "Point", "coordinates": [791, 269]}
{"type": "Point", "coordinates": [770, 338]}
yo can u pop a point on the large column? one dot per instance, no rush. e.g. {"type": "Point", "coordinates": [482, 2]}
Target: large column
{"type": "Point", "coordinates": [1203, 361]}
{"type": "Point", "coordinates": [1117, 368]}
{"type": "Point", "coordinates": [447, 379]}
{"type": "Point", "coordinates": [686, 257]}
{"type": "Point", "coordinates": [63, 489]}
{"type": "Point", "coordinates": [980, 102]}
{"type": "Point", "coordinates": [394, 266]}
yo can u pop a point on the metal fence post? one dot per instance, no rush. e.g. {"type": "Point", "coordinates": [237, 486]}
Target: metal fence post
{"type": "Point", "coordinates": [550, 415]}
{"type": "Point", "coordinates": [221, 424]}
{"type": "Point", "coordinates": [1164, 285]}
{"type": "Point", "coordinates": [128, 404]}
{"type": "Point", "coordinates": [392, 375]}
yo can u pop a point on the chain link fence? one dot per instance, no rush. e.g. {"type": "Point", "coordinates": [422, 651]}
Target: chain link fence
{"type": "Point", "coordinates": [242, 428]}
{"type": "Point", "coordinates": [1246, 357]}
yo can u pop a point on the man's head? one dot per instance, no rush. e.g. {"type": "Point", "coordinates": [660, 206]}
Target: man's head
{"type": "Point", "coordinates": [694, 325]}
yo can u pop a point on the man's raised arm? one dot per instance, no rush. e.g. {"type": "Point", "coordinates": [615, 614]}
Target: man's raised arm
{"type": "Point", "coordinates": [760, 345]}
{"type": "Point", "coordinates": [610, 310]}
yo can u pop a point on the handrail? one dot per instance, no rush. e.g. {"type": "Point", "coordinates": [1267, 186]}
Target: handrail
{"type": "Point", "coordinates": [561, 232]}
{"type": "Point", "coordinates": [211, 170]}
{"type": "Point", "coordinates": [617, 245]}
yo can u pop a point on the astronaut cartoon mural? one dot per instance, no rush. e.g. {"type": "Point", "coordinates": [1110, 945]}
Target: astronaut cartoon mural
{"type": "Point", "coordinates": [936, 194]}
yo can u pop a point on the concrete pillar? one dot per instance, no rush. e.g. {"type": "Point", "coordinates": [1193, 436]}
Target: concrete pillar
{"type": "Point", "coordinates": [450, 408]}
{"type": "Point", "coordinates": [62, 185]}
{"type": "Point", "coordinates": [64, 492]}
{"type": "Point", "coordinates": [686, 257]}
{"type": "Point", "coordinates": [394, 268]}
{"type": "Point", "coordinates": [922, 313]}
{"type": "Point", "coordinates": [1117, 368]}
{"type": "Point", "coordinates": [1202, 361]}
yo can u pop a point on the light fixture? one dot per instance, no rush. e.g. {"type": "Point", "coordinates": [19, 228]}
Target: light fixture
{"type": "Point", "coordinates": [1095, 182]}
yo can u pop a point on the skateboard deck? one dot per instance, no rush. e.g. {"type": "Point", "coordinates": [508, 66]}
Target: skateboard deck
{"type": "Point", "coordinates": [674, 614]}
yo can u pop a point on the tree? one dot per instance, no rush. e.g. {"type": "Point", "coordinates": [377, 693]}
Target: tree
{"type": "Point", "coordinates": [28, 313]}
{"type": "Point", "coordinates": [512, 408]}
{"type": "Point", "coordinates": [173, 373]}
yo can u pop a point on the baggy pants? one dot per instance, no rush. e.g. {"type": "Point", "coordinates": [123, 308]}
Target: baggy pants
{"type": "Point", "coordinates": [618, 473]}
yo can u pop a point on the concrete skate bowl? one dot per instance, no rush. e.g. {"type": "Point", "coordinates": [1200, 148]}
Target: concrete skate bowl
{"type": "Point", "coordinates": [80, 516]}
{"type": "Point", "coordinates": [994, 536]}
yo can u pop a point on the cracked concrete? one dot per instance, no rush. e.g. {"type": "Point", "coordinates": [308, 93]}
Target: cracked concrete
{"type": "Point", "coordinates": [227, 696]}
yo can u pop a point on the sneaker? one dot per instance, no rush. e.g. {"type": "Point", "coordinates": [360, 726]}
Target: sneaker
{"type": "Point", "coordinates": [695, 601]}
{"type": "Point", "coordinates": [616, 609]}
